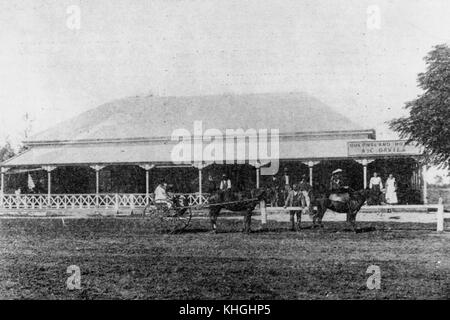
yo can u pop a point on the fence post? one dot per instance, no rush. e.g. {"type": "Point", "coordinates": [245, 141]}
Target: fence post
{"type": "Point", "coordinates": [262, 207]}
{"type": "Point", "coordinates": [116, 203]}
{"type": "Point", "coordinates": [2, 186]}
{"type": "Point", "coordinates": [440, 216]}
{"type": "Point", "coordinates": [132, 201]}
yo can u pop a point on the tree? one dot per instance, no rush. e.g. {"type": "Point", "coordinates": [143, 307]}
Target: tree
{"type": "Point", "coordinates": [428, 123]}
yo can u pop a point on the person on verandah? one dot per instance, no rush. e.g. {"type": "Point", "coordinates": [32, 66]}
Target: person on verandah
{"type": "Point", "coordinates": [391, 190]}
{"type": "Point", "coordinates": [225, 183]}
{"type": "Point", "coordinates": [211, 185]}
{"type": "Point", "coordinates": [225, 188]}
{"type": "Point", "coordinates": [161, 195]}
{"type": "Point", "coordinates": [375, 186]}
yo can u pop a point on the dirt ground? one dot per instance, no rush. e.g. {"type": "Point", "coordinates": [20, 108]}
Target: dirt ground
{"type": "Point", "coordinates": [129, 258]}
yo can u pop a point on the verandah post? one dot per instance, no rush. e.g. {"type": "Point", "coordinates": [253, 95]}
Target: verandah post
{"type": "Point", "coordinates": [424, 185]}
{"type": "Point", "coordinates": [311, 165]}
{"type": "Point", "coordinates": [258, 173]}
{"type": "Point", "coordinates": [97, 169]}
{"type": "Point", "coordinates": [200, 179]}
{"type": "Point", "coordinates": [147, 168]}
{"type": "Point", "coordinates": [147, 186]}
{"type": "Point", "coordinates": [49, 170]}
{"type": "Point", "coordinates": [2, 186]}
{"type": "Point", "coordinates": [364, 163]}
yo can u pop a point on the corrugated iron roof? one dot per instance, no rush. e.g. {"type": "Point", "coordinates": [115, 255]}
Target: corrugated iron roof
{"type": "Point", "coordinates": [146, 117]}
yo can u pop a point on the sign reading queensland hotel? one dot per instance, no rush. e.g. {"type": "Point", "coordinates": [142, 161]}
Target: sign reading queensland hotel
{"type": "Point", "coordinates": [381, 148]}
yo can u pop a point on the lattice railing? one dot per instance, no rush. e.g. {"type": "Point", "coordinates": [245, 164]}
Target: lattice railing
{"type": "Point", "coordinates": [82, 201]}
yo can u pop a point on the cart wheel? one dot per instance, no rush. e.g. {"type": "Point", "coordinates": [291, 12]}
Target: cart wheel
{"type": "Point", "coordinates": [178, 220]}
{"type": "Point", "coordinates": [168, 220]}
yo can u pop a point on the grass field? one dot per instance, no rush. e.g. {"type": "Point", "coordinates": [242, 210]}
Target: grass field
{"type": "Point", "coordinates": [124, 258]}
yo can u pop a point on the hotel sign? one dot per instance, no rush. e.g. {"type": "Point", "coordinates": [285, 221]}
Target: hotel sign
{"type": "Point", "coordinates": [381, 148]}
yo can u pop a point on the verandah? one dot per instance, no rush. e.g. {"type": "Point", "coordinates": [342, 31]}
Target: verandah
{"type": "Point", "coordinates": [126, 185]}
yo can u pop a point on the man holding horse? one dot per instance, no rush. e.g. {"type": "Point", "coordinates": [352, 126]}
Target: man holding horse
{"type": "Point", "coordinates": [305, 188]}
{"type": "Point", "coordinates": [294, 199]}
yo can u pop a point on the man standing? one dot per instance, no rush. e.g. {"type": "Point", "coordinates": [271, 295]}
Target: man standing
{"type": "Point", "coordinates": [286, 181]}
{"type": "Point", "coordinates": [225, 183]}
{"type": "Point", "coordinates": [293, 200]}
{"type": "Point", "coordinates": [274, 187]}
{"type": "Point", "coordinates": [225, 188]}
{"type": "Point", "coordinates": [305, 188]}
{"type": "Point", "coordinates": [375, 186]}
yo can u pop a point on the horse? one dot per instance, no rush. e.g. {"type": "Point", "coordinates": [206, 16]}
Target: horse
{"type": "Point", "coordinates": [340, 203]}
{"type": "Point", "coordinates": [235, 201]}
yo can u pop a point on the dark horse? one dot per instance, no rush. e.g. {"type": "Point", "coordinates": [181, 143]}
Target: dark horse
{"type": "Point", "coordinates": [341, 203]}
{"type": "Point", "coordinates": [235, 201]}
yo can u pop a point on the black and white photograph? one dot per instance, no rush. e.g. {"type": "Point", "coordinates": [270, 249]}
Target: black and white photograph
{"type": "Point", "coordinates": [236, 152]}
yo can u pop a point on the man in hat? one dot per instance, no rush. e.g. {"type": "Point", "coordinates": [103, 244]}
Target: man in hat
{"type": "Point", "coordinates": [225, 183]}
{"type": "Point", "coordinates": [225, 188]}
{"type": "Point", "coordinates": [294, 200]}
{"type": "Point", "coordinates": [338, 188]}
{"type": "Point", "coordinates": [305, 188]}
{"type": "Point", "coordinates": [274, 190]}
{"type": "Point", "coordinates": [211, 185]}
{"type": "Point", "coordinates": [286, 181]}
{"type": "Point", "coordinates": [336, 181]}
{"type": "Point", "coordinates": [161, 195]}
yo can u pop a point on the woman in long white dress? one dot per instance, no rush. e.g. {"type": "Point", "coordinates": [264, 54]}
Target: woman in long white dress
{"type": "Point", "coordinates": [391, 190]}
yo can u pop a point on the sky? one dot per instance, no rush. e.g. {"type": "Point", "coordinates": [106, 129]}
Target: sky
{"type": "Point", "coordinates": [360, 57]}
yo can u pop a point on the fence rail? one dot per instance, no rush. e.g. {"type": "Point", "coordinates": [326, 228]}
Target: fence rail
{"type": "Point", "coordinates": [85, 201]}
{"type": "Point", "coordinates": [440, 226]}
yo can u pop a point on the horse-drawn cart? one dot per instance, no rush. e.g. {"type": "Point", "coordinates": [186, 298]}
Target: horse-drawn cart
{"type": "Point", "coordinates": [176, 218]}
{"type": "Point", "coordinates": [173, 218]}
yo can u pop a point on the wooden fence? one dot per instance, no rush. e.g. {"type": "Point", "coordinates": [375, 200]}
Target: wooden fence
{"type": "Point", "coordinates": [439, 207]}
{"type": "Point", "coordinates": [86, 201]}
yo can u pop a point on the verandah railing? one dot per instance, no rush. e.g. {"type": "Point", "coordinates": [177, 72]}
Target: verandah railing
{"type": "Point", "coordinates": [86, 201]}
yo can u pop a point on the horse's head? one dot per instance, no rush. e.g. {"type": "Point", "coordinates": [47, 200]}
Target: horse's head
{"type": "Point", "coordinates": [180, 200]}
{"type": "Point", "coordinates": [260, 194]}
